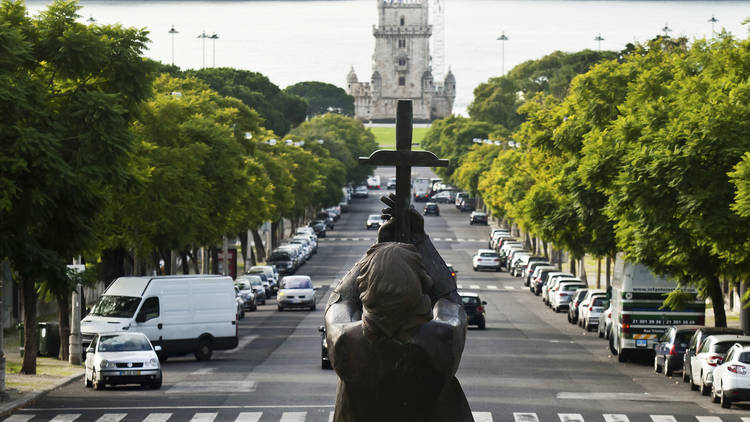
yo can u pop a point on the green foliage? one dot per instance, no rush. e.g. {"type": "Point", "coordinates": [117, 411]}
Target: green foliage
{"type": "Point", "coordinates": [280, 110]}
{"type": "Point", "coordinates": [323, 98]}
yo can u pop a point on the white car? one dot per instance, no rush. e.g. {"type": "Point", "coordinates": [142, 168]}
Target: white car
{"type": "Point", "coordinates": [564, 292]}
{"type": "Point", "coordinates": [122, 358]}
{"type": "Point", "coordinates": [296, 291]}
{"type": "Point", "coordinates": [549, 283]}
{"type": "Point", "coordinates": [709, 356]}
{"type": "Point", "coordinates": [486, 258]}
{"type": "Point", "coordinates": [591, 308]}
{"type": "Point", "coordinates": [732, 378]}
{"type": "Point", "coordinates": [374, 221]}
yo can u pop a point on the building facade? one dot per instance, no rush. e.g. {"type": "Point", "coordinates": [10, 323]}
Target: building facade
{"type": "Point", "coordinates": [402, 67]}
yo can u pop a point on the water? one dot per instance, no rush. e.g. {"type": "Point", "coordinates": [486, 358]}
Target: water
{"type": "Point", "coordinates": [293, 41]}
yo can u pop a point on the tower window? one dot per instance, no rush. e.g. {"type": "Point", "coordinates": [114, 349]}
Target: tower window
{"type": "Point", "coordinates": [401, 43]}
{"type": "Point", "coordinates": [403, 21]}
{"type": "Point", "coordinates": [402, 62]}
{"type": "Point", "coordinates": [401, 81]}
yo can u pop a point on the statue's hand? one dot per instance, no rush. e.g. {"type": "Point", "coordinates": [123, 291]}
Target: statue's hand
{"type": "Point", "coordinates": [387, 232]}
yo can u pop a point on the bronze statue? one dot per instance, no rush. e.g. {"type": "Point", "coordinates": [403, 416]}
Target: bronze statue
{"type": "Point", "coordinates": [395, 328]}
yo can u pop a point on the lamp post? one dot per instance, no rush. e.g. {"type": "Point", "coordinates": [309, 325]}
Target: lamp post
{"type": "Point", "coordinates": [172, 32]}
{"type": "Point", "coordinates": [666, 30]}
{"type": "Point", "coordinates": [713, 21]}
{"type": "Point", "coordinates": [599, 40]}
{"type": "Point", "coordinates": [91, 20]}
{"type": "Point", "coordinates": [214, 37]}
{"type": "Point", "coordinates": [502, 38]}
{"type": "Point", "coordinates": [204, 36]}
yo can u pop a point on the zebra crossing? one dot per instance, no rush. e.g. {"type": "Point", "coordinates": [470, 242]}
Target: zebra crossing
{"type": "Point", "coordinates": [327, 416]}
{"type": "Point", "coordinates": [495, 287]}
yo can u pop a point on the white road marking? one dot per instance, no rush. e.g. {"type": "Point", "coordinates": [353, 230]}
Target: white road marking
{"type": "Point", "coordinates": [565, 395]}
{"type": "Point", "coordinates": [482, 416]}
{"type": "Point", "coordinates": [745, 419]}
{"type": "Point", "coordinates": [330, 417]}
{"type": "Point", "coordinates": [244, 341]}
{"type": "Point", "coordinates": [249, 417]}
{"type": "Point", "coordinates": [615, 418]}
{"type": "Point", "coordinates": [204, 417]}
{"type": "Point", "coordinates": [663, 418]}
{"type": "Point", "coordinates": [492, 287]}
{"type": "Point", "coordinates": [18, 418]}
{"type": "Point", "coordinates": [474, 286]}
{"type": "Point", "coordinates": [111, 417]}
{"type": "Point", "coordinates": [509, 287]}
{"type": "Point", "coordinates": [157, 417]}
{"type": "Point", "coordinates": [459, 240]}
{"type": "Point", "coordinates": [570, 417]}
{"type": "Point", "coordinates": [525, 417]}
{"type": "Point", "coordinates": [65, 417]}
{"type": "Point", "coordinates": [448, 239]}
{"type": "Point", "coordinates": [293, 417]}
{"type": "Point", "coordinates": [212, 387]}
{"type": "Point", "coordinates": [459, 286]}
{"type": "Point", "coordinates": [203, 371]}
{"type": "Point", "coordinates": [708, 418]}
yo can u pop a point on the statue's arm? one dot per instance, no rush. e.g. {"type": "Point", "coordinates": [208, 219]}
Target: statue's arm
{"type": "Point", "coordinates": [343, 312]}
{"type": "Point", "coordinates": [443, 337]}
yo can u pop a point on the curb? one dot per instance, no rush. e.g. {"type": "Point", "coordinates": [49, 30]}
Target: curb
{"type": "Point", "coordinates": [30, 398]}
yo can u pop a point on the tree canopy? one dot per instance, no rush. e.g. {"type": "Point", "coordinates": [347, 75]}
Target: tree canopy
{"type": "Point", "coordinates": [323, 98]}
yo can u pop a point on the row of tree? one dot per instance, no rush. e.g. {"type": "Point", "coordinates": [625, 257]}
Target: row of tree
{"type": "Point", "coordinates": [646, 153]}
{"type": "Point", "coordinates": [124, 162]}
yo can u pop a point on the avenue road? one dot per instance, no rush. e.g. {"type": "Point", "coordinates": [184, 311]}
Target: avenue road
{"type": "Point", "coordinates": [528, 365]}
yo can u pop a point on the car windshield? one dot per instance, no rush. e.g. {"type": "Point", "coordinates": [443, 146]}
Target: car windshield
{"type": "Point", "coordinates": [116, 306]}
{"type": "Point", "coordinates": [572, 287]}
{"type": "Point", "coordinates": [469, 300]}
{"type": "Point", "coordinates": [745, 357]}
{"type": "Point", "coordinates": [600, 301]}
{"type": "Point", "coordinates": [375, 217]}
{"type": "Point", "coordinates": [279, 256]}
{"type": "Point", "coordinates": [723, 347]}
{"type": "Point", "coordinates": [297, 283]}
{"type": "Point", "coordinates": [684, 336]}
{"type": "Point", "coordinates": [488, 254]}
{"type": "Point", "coordinates": [123, 343]}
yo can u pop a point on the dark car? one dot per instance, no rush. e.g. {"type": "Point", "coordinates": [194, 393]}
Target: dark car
{"type": "Point", "coordinates": [573, 307]}
{"type": "Point", "coordinates": [283, 260]}
{"type": "Point", "coordinates": [467, 204]}
{"type": "Point", "coordinates": [431, 208]}
{"type": "Point", "coordinates": [319, 227]}
{"type": "Point", "coordinates": [444, 197]}
{"type": "Point", "coordinates": [325, 363]}
{"type": "Point", "coordinates": [696, 341]}
{"type": "Point", "coordinates": [478, 218]}
{"type": "Point", "coordinates": [671, 348]}
{"type": "Point", "coordinates": [325, 217]}
{"type": "Point", "coordinates": [474, 308]}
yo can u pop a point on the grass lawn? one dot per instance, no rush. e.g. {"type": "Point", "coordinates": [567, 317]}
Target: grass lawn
{"type": "Point", "coordinates": [386, 136]}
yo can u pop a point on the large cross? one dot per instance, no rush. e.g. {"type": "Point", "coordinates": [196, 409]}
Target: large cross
{"type": "Point", "coordinates": [404, 159]}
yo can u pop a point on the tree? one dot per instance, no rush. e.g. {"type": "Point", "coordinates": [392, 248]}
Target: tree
{"type": "Point", "coordinates": [323, 98]}
{"type": "Point", "coordinates": [68, 93]}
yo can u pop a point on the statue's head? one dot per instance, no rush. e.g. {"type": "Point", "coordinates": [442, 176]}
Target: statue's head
{"type": "Point", "coordinates": [393, 285]}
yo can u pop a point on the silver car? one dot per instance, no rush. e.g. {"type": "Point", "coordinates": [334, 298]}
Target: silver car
{"type": "Point", "coordinates": [122, 358]}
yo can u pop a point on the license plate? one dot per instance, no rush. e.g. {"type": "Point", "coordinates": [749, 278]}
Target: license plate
{"type": "Point", "coordinates": [641, 343]}
{"type": "Point", "coordinates": [130, 372]}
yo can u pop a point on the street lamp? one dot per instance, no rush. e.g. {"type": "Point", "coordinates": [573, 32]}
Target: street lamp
{"type": "Point", "coordinates": [502, 38]}
{"type": "Point", "coordinates": [214, 37]}
{"type": "Point", "coordinates": [91, 20]}
{"type": "Point", "coordinates": [666, 30]}
{"type": "Point", "coordinates": [172, 32]}
{"type": "Point", "coordinates": [599, 40]}
{"type": "Point", "coordinates": [204, 36]}
{"type": "Point", "coordinates": [713, 21]}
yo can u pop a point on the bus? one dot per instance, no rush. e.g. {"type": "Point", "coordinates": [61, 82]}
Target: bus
{"type": "Point", "coordinates": [638, 320]}
{"type": "Point", "coordinates": [421, 189]}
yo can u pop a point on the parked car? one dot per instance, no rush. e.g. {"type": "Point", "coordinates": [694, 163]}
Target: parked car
{"type": "Point", "coordinates": [548, 283]}
{"type": "Point", "coordinates": [474, 307]}
{"type": "Point", "coordinates": [327, 219]}
{"type": "Point", "coordinates": [283, 261]}
{"type": "Point", "coordinates": [296, 292]}
{"type": "Point", "coordinates": [240, 301]}
{"type": "Point", "coordinates": [520, 265]}
{"type": "Point", "coordinates": [496, 234]}
{"type": "Point", "coordinates": [605, 323]}
{"type": "Point", "coordinates": [431, 208]}
{"type": "Point", "coordinates": [696, 341]}
{"type": "Point", "coordinates": [245, 299]}
{"type": "Point", "coordinates": [445, 197]}
{"type": "Point", "coordinates": [732, 378]}
{"type": "Point", "coordinates": [467, 204]}
{"type": "Point", "coordinates": [253, 283]}
{"type": "Point", "coordinates": [325, 362]}
{"type": "Point", "coordinates": [319, 227]}
{"type": "Point", "coordinates": [709, 356]}
{"type": "Point", "coordinates": [360, 192]}
{"type": "Point", "coordinates": [592, 306]}
{"type": "Point", "coordinates": [564, 291]}
{"type": "Point", "coordinates": [477, 217]}
{"type": "Point", "coordinates": [485, 259]}
{"type": "Point", "coordinates": [573, 306]}
{"type": "Point", "coordinates": [122, 358]}
{"type": "Point", "coordinates": [460, 197]}
{"type": "Point", "coordinates": [531, 273]}
{"type": "Point", "coordinates": [374, 221]}
{"type": "Point", "coordinates": [512, 254]}
{"type": "Point", "coordinates": [670, 351]}
{"type": "Point", "coordinates": [391, 183]}
{"type": "Point", "coordinates": [539, 278]}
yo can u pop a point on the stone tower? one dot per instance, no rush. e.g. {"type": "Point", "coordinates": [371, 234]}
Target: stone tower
{"type": "Point", "coordinates": [401, 67]}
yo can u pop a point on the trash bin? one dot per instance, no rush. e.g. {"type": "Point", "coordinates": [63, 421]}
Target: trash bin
{"type": "Point", "coordinates": [48, 335]}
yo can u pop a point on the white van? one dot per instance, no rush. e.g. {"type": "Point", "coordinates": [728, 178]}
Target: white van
{"type": "Point", "coordinates": [182, 314]}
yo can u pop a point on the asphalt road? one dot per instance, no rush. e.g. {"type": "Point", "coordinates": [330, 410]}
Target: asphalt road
{"type": "Point", "coordinates": [528, 365]}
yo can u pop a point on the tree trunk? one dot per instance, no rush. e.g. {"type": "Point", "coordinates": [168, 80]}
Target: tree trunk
{"type": "Point", "coordinates": [184, 262]}
{"type": "Point", "coordinates": [608, 275]}
{"type": "Point", "coordinates": [113, 264]}
{"type": "Point", "coordinates": [30, 335]}
{"type": "Point", "coordinates": [572, 265]}
{"type": "Point", "coordinates": [598, 273]}
{"type": "Point", "coordinates": [63, 316]}
{"type": "Point", "coordinates": [166, 256]}
{"type": "Point", "coordinates": [745, 307]}
{"type": "Point", "coordinates": [259, 248]}
{"type": "Point", "coordinates": [527, 242]}
{"type": "Point", "coordinates": [214, 260]}
{"type": "Point", "coordinates": [274, 234]}
{"type": "Point", "coordinates": [244, 246]}
{"type": "Point", "coordinates": [717, 301]}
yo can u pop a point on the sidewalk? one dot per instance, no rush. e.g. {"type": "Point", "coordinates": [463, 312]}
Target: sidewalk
{"type": "Point", "coordinates": [22, 390]}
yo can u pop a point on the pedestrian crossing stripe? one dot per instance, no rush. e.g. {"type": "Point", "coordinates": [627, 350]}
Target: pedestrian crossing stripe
{"type": "Point", "coordinates": [301, 416]}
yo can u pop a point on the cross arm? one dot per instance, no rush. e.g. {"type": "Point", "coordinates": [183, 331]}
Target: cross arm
{"type": "Point", "coordinates": [403, 158]}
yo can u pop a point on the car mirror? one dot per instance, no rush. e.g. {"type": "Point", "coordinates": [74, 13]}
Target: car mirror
{"type": "Point", "coordinates": [316, 288]}
{"type": "Point", "coordinates": [157, 348]}
{"type": "Point", "coordinates": [322, 329]}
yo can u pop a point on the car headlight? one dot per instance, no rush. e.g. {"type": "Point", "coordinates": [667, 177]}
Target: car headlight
{"type": "Point", "coordinates": [152, 361]}
{"type": "Point", "coordinates": [106, 364]}
{"type": "Point", "coordinates": [281, 293]}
